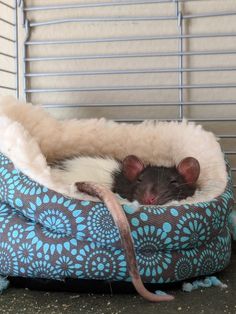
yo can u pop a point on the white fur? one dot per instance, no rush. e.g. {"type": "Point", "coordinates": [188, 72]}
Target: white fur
{"type": "Point", "coordinates": [92, 169]}
{"type": "Point", "coordinates": [30, 137]}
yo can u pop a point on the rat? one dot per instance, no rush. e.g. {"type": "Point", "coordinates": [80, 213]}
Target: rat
{"type": "Point", "coordinates": [132, 180]}
{"type": "Point", "coordinates": [149, 185]}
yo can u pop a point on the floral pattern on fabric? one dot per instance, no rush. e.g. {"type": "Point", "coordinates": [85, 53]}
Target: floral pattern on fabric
{"type": "Point", "coordinates": [45, 234]}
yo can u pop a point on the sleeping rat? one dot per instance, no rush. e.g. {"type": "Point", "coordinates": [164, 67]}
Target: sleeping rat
{"type": "Point", "coordinates": [132, 180]}
{"type": "Point", "coordinates": [149, 185]}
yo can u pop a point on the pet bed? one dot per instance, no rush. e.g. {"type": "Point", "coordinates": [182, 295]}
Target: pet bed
{"type": "Point", "coordinates": [49, 231]}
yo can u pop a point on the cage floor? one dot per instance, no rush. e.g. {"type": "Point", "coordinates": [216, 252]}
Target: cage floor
{"type": "Point", "coordinates": [212, 300]}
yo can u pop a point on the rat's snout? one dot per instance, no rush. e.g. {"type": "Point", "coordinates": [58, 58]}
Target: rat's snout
{"type": "Point", "coordinates": [149, 199]}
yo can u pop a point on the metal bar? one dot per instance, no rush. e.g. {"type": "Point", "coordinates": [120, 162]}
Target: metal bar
{"type": "Point", "coordinates": [126, 19]}
{"type": "Point", "coordinates": [209, 103]}
{"type": "Point", "coordinates": [213, 120]}
{"type": "Point", "coordinates": [180, 58]}
{"type": "Point", "coordinates": [138, 71]}
{"type": "Point", "coordinates": [7, 22]}
{"type": "Point", "coordinates": [27, 35]}
{"type": "Point", "coordinates": [7, 71]}
{"type": "Point", "coordinates": [130, 55]}
{"type": "Point", "coordinates": [127, 88]}
{"type": "Point", "coordinates": [211, 14]}
{"type": "Point", "coordinates": [141, 104]}
{"type": "Point", "coordinates": [124, 39]}
{"type": "Point", "coordinates": [179, 120]}
{"type": "Point", "coordinates": [103, 19]}
{"type": "Point", "coordinates": [89, 105]}
{"type": "Point", "coordinates": [230, 136]}
{"type": "Point", "coordinates": [7, 87]}
{"type": "Point", "coordinates": [93, 5]}
{"type": "Point", "coordinates": [8, 39]}
{"type": "Point", "coordinates": [7, 5]}
{"type": "Point", "coordinates": [230, 152]}
{"type": "Point", "coordinates": [16, 50]}
{"type": "Point", "coordinates": [21, 5]}
{"type": "Point", "coordinates": [7, 55]}
{"type": "Point", "coordinates": [167, 119]}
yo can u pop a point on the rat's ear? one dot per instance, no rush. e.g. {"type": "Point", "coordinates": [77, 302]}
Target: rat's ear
{"type": "Point", "coordinates": [132, 167]}
{"type": "Point", "coordinates": [189, 168]}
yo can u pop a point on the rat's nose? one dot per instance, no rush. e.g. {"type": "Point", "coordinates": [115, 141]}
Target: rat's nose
{"type": "Point", "coordinates": [149, 199]}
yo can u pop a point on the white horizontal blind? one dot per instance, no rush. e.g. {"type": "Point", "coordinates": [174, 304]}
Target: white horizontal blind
{"type": "Point", "coordinates": [8, 48]}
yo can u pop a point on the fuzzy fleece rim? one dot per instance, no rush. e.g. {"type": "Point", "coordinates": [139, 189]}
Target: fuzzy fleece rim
{"type": "Point", "coordinates": [41, 139]}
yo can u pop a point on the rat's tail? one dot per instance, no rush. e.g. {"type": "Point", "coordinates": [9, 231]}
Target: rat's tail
{"type": "Point", "coordinates": [121, 222]}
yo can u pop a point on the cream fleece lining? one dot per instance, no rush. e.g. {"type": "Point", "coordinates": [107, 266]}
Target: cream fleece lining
{"type": "Point", "coordinates": [31, 138]}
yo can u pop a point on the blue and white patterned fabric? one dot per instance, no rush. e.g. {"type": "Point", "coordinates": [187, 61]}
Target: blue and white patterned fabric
{"type": "Point", "coordinates": [46, 235]}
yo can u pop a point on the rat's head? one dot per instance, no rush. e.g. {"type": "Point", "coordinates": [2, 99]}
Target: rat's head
{"type": "Point", "coordinates": [154, 185]}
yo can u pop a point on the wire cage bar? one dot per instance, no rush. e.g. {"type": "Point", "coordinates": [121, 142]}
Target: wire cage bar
{"type": "Point", "coordinates": [100, 4]}
{"type": "Point", "coordinates": [179, 17]}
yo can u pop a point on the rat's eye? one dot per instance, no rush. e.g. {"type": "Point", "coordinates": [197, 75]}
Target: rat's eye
{"type": "Point", "coordinates": [139, 180]}
{"type": "Point", "coordinates": [173, 182]}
